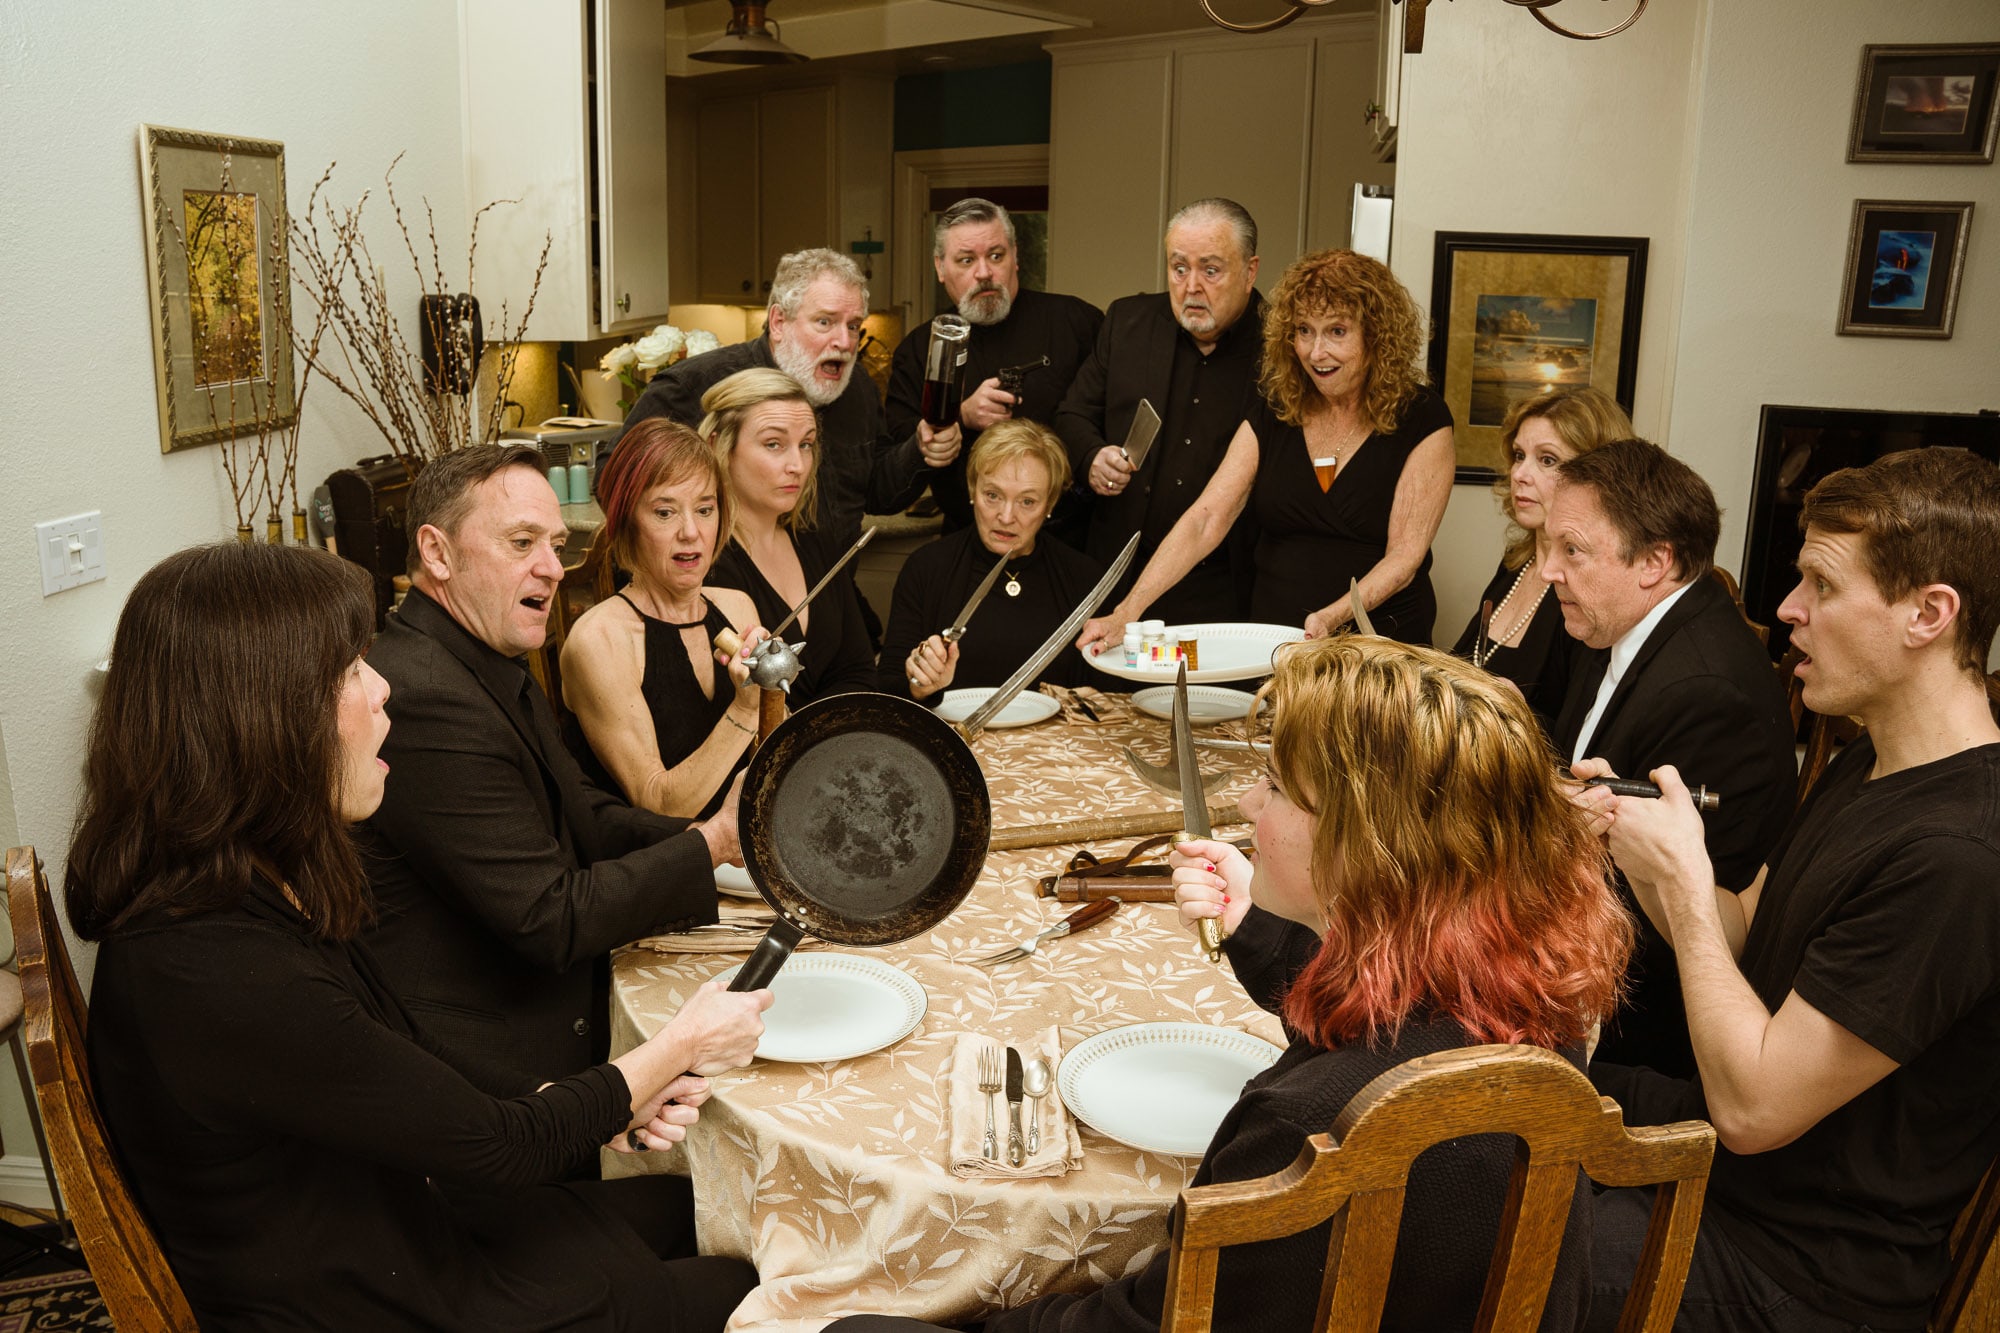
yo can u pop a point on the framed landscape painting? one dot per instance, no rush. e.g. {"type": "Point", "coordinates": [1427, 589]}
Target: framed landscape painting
{"type": "Point", "coordinates": [1515, 316]}
{"type": "Point", "coordinates": [218, 277]}
{"type": "Point", "coordinates": [1904, 262]}
{"type": "Point", "coordinates": [1926, 104]}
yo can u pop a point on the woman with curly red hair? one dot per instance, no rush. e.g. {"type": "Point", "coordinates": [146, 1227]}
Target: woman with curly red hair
{"type": "Point", "coordinates": [1422, 884]}
{"type": "Point", "coordinates": [1345, 462]}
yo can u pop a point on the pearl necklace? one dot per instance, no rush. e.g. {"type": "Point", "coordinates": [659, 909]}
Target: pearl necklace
{"type": "Point", "coordinates": [1484, 645]}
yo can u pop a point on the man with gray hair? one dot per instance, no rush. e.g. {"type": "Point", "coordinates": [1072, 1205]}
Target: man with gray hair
{"type": "Point", "coordinates": [1193, 352]}
{"type": "Point", "coordinates": [976, 255]}
{"type": "Point", "coordinates": [812, 332]}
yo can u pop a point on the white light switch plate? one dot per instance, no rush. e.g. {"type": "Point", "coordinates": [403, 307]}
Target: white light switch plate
{"type": "Point", "coordinates": [71, 551]}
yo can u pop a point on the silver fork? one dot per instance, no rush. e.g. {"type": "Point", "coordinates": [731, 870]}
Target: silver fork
{"type": "Point", "coordinates": [989, 1083]}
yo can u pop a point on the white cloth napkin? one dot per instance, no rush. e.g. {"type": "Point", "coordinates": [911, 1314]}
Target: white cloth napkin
{"type": "Point", "coordinates": [1061, 1149]}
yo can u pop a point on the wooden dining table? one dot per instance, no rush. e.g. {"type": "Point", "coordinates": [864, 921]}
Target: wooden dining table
{"type": "Point", "coordinates": [833, 1178]}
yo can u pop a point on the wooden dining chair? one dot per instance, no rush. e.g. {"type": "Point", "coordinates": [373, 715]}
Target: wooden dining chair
{"type": "Point", "coordinates": [1823, 735]}
{"type": "Point", "coordinates": [1357, 1173]}
{"type": "Point", "coordinates": [125, 1260]}
{"type": "Point", "coordinates": [583, 586]}
{"type": "Point", "coordinates": [1728, 582]}
{"type": "Point", "coordinates": [1970, 1299]}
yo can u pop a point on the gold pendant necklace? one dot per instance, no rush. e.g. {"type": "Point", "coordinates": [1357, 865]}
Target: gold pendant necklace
{"type": "Point", "coordinates": [1013, 584]}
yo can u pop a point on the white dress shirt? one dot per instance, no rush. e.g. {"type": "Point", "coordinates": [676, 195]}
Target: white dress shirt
{"type": "Point", "coordinates": [1623, 654]}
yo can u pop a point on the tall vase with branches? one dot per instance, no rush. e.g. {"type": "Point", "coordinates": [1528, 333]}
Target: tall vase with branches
{"type": "Point", "coordinates": [369, 359]}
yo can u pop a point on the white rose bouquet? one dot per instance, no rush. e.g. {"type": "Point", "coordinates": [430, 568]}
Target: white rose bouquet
{"type": "Point", "coordinates": [633, 364]}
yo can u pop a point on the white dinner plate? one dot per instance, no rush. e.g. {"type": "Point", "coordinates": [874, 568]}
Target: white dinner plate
{"type": "Point", "coordinates": [1161, 1087]}
{"type": "Point", "coordinates": [1206, 703]}
{"type": "Point", "coordinates": [734, 882]}
{"type": "Point", "coordinates": [1227, 650]}
{"type": "Point", "coordinates": [1024, 709]}
{"type": "Point", "coordinates": [834, 1006]}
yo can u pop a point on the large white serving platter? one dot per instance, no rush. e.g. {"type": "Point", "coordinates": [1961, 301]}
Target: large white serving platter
{"type": "Point", "coordinates": [734, 881]}
{"type": "Point", "coordinates": [1161, 1087]}
{"type": "Point", "coordinates": [834, 1006]}
{"type": "Point", "coordinates": [1206, 703]}
{"type": "Point", "coordinates": [1227, 650]}
{"type": "Point", "coordinates": [1024, 709]}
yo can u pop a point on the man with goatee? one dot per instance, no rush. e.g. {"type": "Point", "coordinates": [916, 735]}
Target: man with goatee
{"type": "Point", "coordinates": [976, 254]}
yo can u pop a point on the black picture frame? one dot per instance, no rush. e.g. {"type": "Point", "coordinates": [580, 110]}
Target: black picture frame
{"type": "Point", "coordinates": [1927, 104]}
{"type": "Point", "coordinates": [1905, 259]}
{"type": "Point", "coordinates": [1482, 282]}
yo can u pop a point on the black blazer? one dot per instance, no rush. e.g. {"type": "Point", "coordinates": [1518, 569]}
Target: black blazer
{"type": "Point", "coordinates": [1703, 696]}
{"type": "Point", "coordinates": [1134, 359]}
{"type": "Point", "coordinates": [502, 876]}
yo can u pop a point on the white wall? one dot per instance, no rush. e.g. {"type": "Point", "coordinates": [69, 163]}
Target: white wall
{"type": "Point", "coordinates": [1719, 131]}
{"type": "Point", "coordinates": [1767, 237]}
{"type": "Point", "coordinates": [359, 82]}
{"type": "Point", "coordinates": [1507, 127]}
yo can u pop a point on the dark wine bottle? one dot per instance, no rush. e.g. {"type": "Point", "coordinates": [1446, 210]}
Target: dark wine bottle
{"type": "Point", "coordinates": [944, 368]}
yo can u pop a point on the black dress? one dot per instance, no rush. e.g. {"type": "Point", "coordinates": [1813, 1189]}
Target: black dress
{"type": "Point", "coordinates": [1539, 663]}
{"type": "Point", "coordinates": [936, 581]}
{"type": "Point", "coordinates": [838, 658]}
{"type": "Point", "coordinates": [683, 717]}
{"type": "Point", "coordinates": [1309, 543]}
{"type": "Point", "coordinates": [287, 1129]}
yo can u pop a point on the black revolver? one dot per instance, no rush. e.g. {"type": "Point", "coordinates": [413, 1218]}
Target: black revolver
{"type": "Point", "coordinates": [1014, 378]}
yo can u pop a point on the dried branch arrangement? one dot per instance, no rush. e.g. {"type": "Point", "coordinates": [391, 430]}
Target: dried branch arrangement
{"type": "Point", "coordinates": [370, 360]}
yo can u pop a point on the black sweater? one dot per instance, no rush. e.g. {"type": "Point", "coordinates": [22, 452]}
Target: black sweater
{"type": "Point", "coordinates": [282, 1122]}
{"type": "Point", "coordinates": [936, 581]}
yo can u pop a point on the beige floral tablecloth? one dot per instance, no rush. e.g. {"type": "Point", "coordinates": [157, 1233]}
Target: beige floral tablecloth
{"type": "Point", "coordinates": [833, 1179]}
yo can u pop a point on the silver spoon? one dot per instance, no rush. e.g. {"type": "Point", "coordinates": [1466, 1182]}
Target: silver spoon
{"type": "Point", "coordinates": [1035, 1082]}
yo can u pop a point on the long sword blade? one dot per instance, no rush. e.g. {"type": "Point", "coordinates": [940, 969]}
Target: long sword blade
{"type": "Point", "coordinates": [1052, 646]}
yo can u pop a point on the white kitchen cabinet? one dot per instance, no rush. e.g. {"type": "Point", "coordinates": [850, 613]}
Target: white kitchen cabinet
{"type": "Point", "coordinates": [1141, 126]}
{"type": "Point", "coordinates": [566, 113]}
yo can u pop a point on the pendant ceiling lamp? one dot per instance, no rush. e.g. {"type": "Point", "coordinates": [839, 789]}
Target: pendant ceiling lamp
{"type": "Point", "coordinates": [1413, 26]}
{"type": "Point", "coordinates": [747, 40]}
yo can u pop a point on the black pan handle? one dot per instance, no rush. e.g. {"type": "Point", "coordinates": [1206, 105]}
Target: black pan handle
{"type": "Point", "coordinates": [772, 951]}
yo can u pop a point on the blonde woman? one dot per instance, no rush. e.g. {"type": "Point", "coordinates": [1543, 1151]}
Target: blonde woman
{"type": "Point", "coordinates": [1524, 641]}
{"type": "Point", "coordinates": [653, 708]}
{"type": "Point", "coordinates": [1017, 471]}
{"type": "Point", "coordinates": [1423, 883]}
{"type": "Point", "coordinates": [765, 435]}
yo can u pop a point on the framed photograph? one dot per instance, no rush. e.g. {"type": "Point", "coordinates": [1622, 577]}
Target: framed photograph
{"type": "Point", "coordinates": [219, 276]}
{"type": "Point", "coordinates": [1514, 316]}
{"type": "Point", "coordinates": [1904, 261]}
{"type": "Point", "coordinates": [1927, 104]}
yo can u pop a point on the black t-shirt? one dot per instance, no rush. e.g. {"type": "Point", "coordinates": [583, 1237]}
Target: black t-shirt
{"type": "Point", "coordinates": [1882, 910]}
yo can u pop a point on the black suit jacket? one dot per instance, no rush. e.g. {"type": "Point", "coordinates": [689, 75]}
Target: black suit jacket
{"type": "Point", "coordinates": [502, 876]}
{"type": "Point", "coordinates": [1134, 360]}
{"type": "Point", "coordinates": [1702, 695]}
{"type": "Point", "coordinates": [861, 468]}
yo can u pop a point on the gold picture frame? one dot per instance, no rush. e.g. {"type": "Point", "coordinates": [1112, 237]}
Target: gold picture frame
{"type": "Point", "coordinates": [1515, 315]}
{"type": "Point", "coordinates": [222, 326]}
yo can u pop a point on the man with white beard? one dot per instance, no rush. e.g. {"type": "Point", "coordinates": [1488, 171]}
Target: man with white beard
{"type": "Point", "coordinates": [976, 256]}
{"type": "Point", "coordinates": [1193, 352]}
{"type": "Point", "coordinates": [813, 333]}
